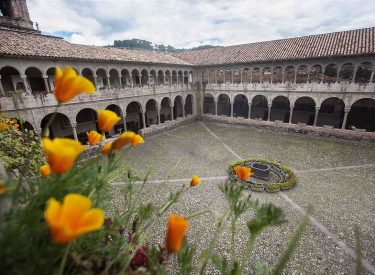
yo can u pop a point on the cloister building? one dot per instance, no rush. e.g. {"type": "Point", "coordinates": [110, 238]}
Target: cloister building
{"type": "Point", "coordinates": [324, 80]}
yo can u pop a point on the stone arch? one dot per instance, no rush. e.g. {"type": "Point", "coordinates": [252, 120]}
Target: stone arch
{"type": "Point", "coordinates": [189, 105]}
{"type": "Point", "coordinates": [178, 106]}
{"type": "Point", "coordinates": [165, 109]}
{"type": "Point", "coordinates": [259, 107]}
{"type": "Point", "coordinates": [134, 116]}
{"type": "Point", "coordinates": [316, 74]}
{"type": "Point", "coordinates": [346, 72]}
{"type": "Point", "coordinates": [161, 77]}
{"type": "Point", "coordinates": [330, 74]}
{"type": "Point", "coordinates": [60, 127]}
{"type": "Point", "coordinates": [331, 112]}
{"type": "Point", "coordinates": [125, 78]}
{"type": "Point", "coordinates": [223, 105]}
{"type": "Point", "coordinates": [136, 78]}
{"type": "Point", "coordinates": [190, 76]}
{"type": "Point", "coordinates": [255, 75]}
{"type": "Point", "coordinates": [114, 79]}
{"type": "Point", "coordinates": [280, 109]}
{"type": "Point", "coordinates": [220, 76]}
{"type": "Point", "coordinates": [304, 110]}
{"type": "Point", "coordinates": [266, 75]}
{"type": "Point", "coordinates": [180, 77]}
{"type": "Point", "coordinates": [364, 72]}
{"type": "Point", "coordinates": [302, 74]}
{"type": "Point", "coordinates": [151, 114]}
{"type": "Point", "coordinates": [277, 75]}
{"type": "Point", "coordinates": [240, 106]}
{"type": "Point", "coordinates": [153, 78]}
{"type": "Point", "coordinates": [209, 104]}
{"type": "Point", "coordinates": [119, 126]}
{"type": "Point", "coordinates": [168, 77]}
{"type": "Point", "coordinates": [89, 74]}
{"type": "Point", "coordinates": [228, 76]}
{"type": "Point", "coordinates": [289, 74]}
{"type": "Point", "coordinates": [144, 78]}
{"type": "Point", "coordinates": [35, 80]}
{"type": "Point", "coordinates": [362, 115]}
{"type": "Point", "coordinates": [246, 73]}
{"type": "Point", "coordinates": [174, 77]}
{"type": "Point", "coordinates": [86, 120]}
{"type": "Point", "coordinates": [101, 79]}
{"type": "Point", "coordinates": [11, 79]}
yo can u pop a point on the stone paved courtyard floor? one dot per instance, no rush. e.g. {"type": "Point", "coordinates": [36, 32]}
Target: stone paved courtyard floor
{"type": "Point", "coordinates": [336, 178]}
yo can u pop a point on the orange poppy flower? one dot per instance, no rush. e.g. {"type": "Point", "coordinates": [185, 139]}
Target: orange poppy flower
{"type": "Point", "coordinates": [61, 153]}
{"type": "Point", "coordinates": [3, 126]}
{"type": "Point", "coordinates": [243, 172]}
{"type": "Point", "coordinates": [45, 170]}
{"type": "Point", "coordinates": [68, 84]}
{"type": "Point", "coordinates": [195, 180]}
{"type": "Point", "coordinates": [107, 148]}
{"type": "Point", "coordinates": [107, 119]}
{"type": "Point", "coordinates": [94, 137]}
{"type": "Point", "coordinates": [137, 140]}
{"type": "Point", "coordinates": [123, 139]}
{"type": "Point", "coordinates": [176, 231]}
{"type": "Point", "coordinates": [73, 218]}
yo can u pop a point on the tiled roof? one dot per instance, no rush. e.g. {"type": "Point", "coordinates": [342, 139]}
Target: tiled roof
{"type": "Point", "coordinates": [25, 44]}
{"type": "Point", "coordinates": [346, 43]}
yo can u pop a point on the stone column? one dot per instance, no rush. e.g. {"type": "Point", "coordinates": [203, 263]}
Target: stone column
{"type": "Point", "coordinates": [271, 81]}
{"type": "Point", "coordinates": [231, 109]}
{"type": "Point", "coordinates": [148, 79]}
{"type": "Point", "coordinates": [131, 81]}
{"type": "Point", "coordinates": [323, 71]}
{"type": "Point", "coordinates": [2, 92]}
{"type": "Point", "coordinates": [183, 110]}
{"type": "Point", "coordinates": [158, 111]}
{"type": "Point", "coordinates": [269, 111]}
{"type": "Point", "coordinates": [170, 79]}
{"type": "Point", "coordinates": [74, 128]}
{"type": "Point", "coordinates": [216, 77]}
{"type": "Point", "coordinates": [177, 79]}
{"type": "Point", "coordinates": [108, 82]}
{"type": "Point", "coordinates": [372, 76]}
{"type": "Point", "coordinates": [249, 114]}
{"type": "Point", "coordinates": [282, 76]}
{"type": "Point", "coordinates": [346, 110]}
{"type": "Point", "coordinates": [251, 76]}
{"type": "Point", "coordinates": [143, 119]}
{"type": "Point", "coordinates": [45, 80]}
{"type": "Point", "coordinates": [95, 82]}
{"type": "Point", "coordinates": [317, 108]}
{"type": "Point", "coordinates": [261, 76]}
{"type": "Point", "coordinates": [241, 76]}
{"type": "Point", "coordinates": [224, 77]}
{"type": "Point", "coordinates": [124, 122]}
{"type": "Point", "coordinates": [232, 76]}
{"type": "Point", "coordinates": [354, 73]}
{"type": "Point", "coordinates": [24, 80]}
{"type": "Point", "coordinates": [295, 76]}
{"type": "Point", "coordinates": [291, 113]}
{"type": "Point", "coordinates": [172, 113]}
{"type": "Point", "coordinates": [215, 111]}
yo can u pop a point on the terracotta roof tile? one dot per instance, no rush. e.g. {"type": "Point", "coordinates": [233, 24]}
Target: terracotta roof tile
{"type": "Point", "coordinates": [25, 44]}
{"type": "Point", "coordinates": [346, 43]}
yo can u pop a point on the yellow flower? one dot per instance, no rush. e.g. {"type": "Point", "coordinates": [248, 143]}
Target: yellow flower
{"type": "Point", "coordinates": [94, 137]}
{"type": "Point", "coordinates": [195, 180]}
{"type": "Point", "coordinates": [72, 218]}
{"type": "Point", "coordinates": [68, 84]}
{"type": "Point", "coordinates": [243, 172]}
{"type": "Point", "coordinates": [61, 153]}
{"type": "Point", "coordinates": [16, 126]}
{"type": "Point", "coordinates": [107, 148]}
{"type": "Point", "coordinates": [3, 126]}
{"type": "Point", "coordinates": [176, 231]}
{"type": "Point", "coordinates": [137, 140]}
{"type": "Point", "coordinates": [107, 119]}
{"type": "Point", "coordinates": [45, 170]}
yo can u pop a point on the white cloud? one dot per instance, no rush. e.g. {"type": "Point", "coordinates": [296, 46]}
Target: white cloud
{"type": "Point", "coordinates": [192, 23]}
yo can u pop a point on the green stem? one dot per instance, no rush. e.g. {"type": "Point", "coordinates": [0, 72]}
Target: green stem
{"type": "Point", "coordinates": [233, 229]}
{"type": "Point", "coordinates": [63, 261]}
{"type": "Point", "coordinates": [198, 213]}
{"type": "Point", "coordinates": [249, 250]}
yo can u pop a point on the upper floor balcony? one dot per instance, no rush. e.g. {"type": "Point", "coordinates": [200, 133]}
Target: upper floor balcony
{"type": "Point", "coordinates": [45, 99]}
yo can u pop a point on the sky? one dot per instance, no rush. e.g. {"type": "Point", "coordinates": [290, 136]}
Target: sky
{"type": "Point", "coordinates": [190, 23]}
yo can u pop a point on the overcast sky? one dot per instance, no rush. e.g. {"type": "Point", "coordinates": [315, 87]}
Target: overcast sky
{"type": "Point", "coordinates": [196, 22]}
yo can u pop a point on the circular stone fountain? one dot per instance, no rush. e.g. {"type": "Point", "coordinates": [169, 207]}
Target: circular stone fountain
{"type": "Point", "coordinates": [267, 176]}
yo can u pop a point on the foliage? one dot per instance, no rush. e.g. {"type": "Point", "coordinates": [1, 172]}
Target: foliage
{"type": "Point", "coordinates": [20, 149]}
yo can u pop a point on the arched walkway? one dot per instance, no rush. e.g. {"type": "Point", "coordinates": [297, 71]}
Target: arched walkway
{"type": "Point", "coordinates": [86, 120]}
{"type": "Point", "coordinates": [331, 112]}
{"type": "Point", "coordinates": [188, 105]}
{"type": "Point", "coordinates": [35, 81]}
{"type": "Point", "coordinates": [11, 80]}
{"type": "Point", "coordinates": [134, 116]}
{"type": "Point", "coordinates": [60, 127]}
{"type": "Point", "coordinates": [208, 104]}
{"type": "Point", "coordinates": [114, 79]}
{"type": "Point", "coordinates": [144, 78]}
{"type": "Point", "coordinates": [223, 105]}
{"type": "Point", "coordinates": [165, 109]}
{"type": "Point", "coordinates": [259, 108]}
{"type": "Point", "coordinates": [178, 107]}
{"type": "Point", "coordinates": [151, 112]}
{"type": "Point", "coordinates": [119, 126]}
{"type": "Point", "coordinates": [89, 75]}
{"type": "Point", "coordinates": [101, 79]}
{"type": "Point", "coordinates": [240, 106]}
{"type": "Point", "coordinates": [304, 111]}
{"type": "Point", "coordinates": [136, 78]}
{"type": "Point", "coordinates": [280, 109]}
{"type": "Point", "coordinates": [362, 115]}
{"type": "Point", "coordinates": [125, 79]}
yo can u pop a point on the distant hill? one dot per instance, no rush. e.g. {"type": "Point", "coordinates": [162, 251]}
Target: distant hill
{"type": "Point", "coordinates": [139, 44]}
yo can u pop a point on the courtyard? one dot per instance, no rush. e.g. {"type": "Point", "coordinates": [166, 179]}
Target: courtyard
{"type": "Point", "coordinates": [335, 177]}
